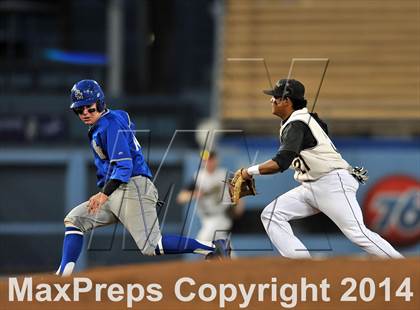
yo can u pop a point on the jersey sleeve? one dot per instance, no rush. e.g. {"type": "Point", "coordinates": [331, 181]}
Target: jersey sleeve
{"type": "Point", "coordinates": [292, 143]}
{"type": "Point", "coordinates": [293, 137]}
{"type": "Point", "coordinates": [284, 159]}
{"type": "Point", "coordinates": [119, 152]}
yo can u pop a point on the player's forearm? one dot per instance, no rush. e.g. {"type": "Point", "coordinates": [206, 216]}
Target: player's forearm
{"type": "Point", "coordinates": [279, 163]}
{"type": "Point", "coordinates": [268, 167]}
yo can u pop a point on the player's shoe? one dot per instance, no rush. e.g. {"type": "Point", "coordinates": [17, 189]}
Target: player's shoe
{"type": "Point", "coordinates": [221, 251]}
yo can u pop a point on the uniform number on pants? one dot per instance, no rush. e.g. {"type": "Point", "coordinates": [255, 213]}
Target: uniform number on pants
{"type": "Point", "coordinates": [300, 165]}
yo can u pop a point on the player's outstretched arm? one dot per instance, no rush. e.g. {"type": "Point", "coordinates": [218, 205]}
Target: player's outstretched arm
{"type": "Point", "coordinates": [268, 167]}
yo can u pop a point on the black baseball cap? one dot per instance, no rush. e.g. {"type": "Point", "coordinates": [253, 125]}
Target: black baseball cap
{"type": "Point", "coordinates": [287, 88]}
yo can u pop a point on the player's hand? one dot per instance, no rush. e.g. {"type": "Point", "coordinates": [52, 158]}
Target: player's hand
{"type": "Point", "coordinates": [96, 202]}
{"type": "Point", "coordinates": [245, 174]}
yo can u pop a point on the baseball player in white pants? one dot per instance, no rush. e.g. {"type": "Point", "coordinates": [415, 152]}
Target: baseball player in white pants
{"type": "Point", "coordinates": [328, 182]}
{"type": "Point", "coordinates": [213, 204]}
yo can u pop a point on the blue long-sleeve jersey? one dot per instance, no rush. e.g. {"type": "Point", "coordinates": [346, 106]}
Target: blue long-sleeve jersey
{"type": "Point", "coordinates": [118, 154]}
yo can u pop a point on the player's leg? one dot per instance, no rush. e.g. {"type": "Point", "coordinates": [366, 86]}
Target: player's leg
{"type": "Point", "coordinates": [205, 232]}
{"type": "Point", "coordinates": [77, 222]}
{"type": "Point", "coordinates": [214, 227]}
{"type": "Point", "coordinates": [135, 206]}
{"type": "Point", "coordinates": [72, 246]}
{"type": "Point", "coordinates": [336, 196]}
{"type": "Point", "coordinates": [220, 227]}
{"type": "Point", "coordinates": [276, 216]}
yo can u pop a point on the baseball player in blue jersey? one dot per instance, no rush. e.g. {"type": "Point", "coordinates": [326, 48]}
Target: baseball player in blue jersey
{"type": "Point", "coordinates": [127, 193]}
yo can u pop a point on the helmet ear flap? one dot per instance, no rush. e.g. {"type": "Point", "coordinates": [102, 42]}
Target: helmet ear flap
{"type": "Point", "coordinates": [100, 106]}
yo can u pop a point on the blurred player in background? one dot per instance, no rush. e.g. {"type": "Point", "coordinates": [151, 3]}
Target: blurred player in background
{"type": "Point", "coordinates": [328, 182]}
{"type": "Point", "coordinates": [127, 194]}
{"type": "Point", "coordinates": [214, 208]}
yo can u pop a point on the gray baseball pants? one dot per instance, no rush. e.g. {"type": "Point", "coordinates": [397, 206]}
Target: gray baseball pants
{"type": "Point", "coordinates": [134, 205]}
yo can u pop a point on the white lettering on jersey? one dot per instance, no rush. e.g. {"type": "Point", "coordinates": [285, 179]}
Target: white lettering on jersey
{"type": "Point", "coordinates": [98, 150]}
{"type": "Point", "coordinates": [136, 143]}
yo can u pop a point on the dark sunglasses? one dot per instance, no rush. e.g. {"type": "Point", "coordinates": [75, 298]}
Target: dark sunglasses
{"type": "Point", "coordinates": [80, 110]}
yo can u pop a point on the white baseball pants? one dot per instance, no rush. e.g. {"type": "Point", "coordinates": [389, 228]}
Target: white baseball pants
{"type": "Point", "coordinates": [214, 227]}
{"type": "Point", "coordinates": [333, 194]}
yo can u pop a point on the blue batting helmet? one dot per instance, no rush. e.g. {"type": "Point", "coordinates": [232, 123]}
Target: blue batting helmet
{"type": "Point", "coordinates": [87, 92]}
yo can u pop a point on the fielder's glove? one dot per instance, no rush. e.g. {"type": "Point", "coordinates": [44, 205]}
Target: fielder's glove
{"type": "Point", "coordinates": [239, 187]}
{"type": "Point", "coordinates": [360, 174]}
